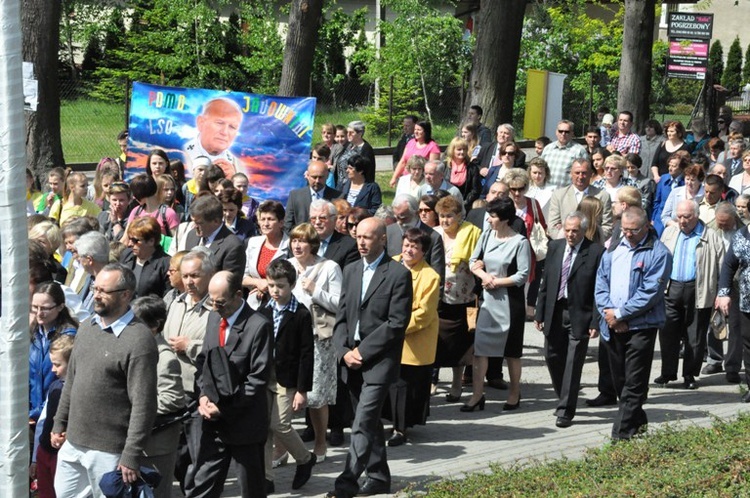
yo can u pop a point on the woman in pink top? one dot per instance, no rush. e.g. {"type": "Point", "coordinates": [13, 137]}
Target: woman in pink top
{"type": "Point", "coordinates": [421, 145]}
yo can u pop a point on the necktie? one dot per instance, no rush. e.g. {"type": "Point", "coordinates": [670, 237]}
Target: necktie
{"type": "Point", "coordinates": [564, 274]}
{"type": "Point", "coordinates": [223, 326]}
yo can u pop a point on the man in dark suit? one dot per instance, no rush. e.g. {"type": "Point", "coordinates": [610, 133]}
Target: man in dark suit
{"type": "Point", "coordinates": [405, 209]}
{"type": "Point", "coordinates": [334, 246]}
{"type": "Point", "coordinates": [408, 127]}
{"type": "Point", "coordinates": [298, 205]}
{"type": "Point", "coordinates": [231, 427]}
{"type": "Point", "coordinates": [374, 310]}
{"type": "Point", "coordinates": [227, 250]}
{"type": "Point", "coordinates": [565, 310]}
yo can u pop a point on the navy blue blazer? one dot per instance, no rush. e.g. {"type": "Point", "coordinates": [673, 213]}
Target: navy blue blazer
{"type": "Point", "coordinates": [369, 196]}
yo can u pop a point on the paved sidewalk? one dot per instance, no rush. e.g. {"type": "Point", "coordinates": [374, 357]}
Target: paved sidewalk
{"type": "Point", "coordinates": [454, 443]}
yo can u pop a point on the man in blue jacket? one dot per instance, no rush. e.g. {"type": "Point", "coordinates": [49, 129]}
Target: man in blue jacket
{"type": "Point", "coordinates": [631, 305]}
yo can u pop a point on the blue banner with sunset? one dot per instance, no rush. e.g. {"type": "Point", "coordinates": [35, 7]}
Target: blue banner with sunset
{"type": "Point", "coordinates": [268, 138]}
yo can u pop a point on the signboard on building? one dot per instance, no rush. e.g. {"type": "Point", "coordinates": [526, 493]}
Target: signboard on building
{"type": "Point", "coordinates": [689, 38]}
{"type": "Point", "coordinates": [689, 25]}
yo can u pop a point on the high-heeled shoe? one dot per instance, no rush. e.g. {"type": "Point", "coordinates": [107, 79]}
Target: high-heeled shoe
{"type": "Point", "coordinates": [507, 407]}
{"type": "Point", "coordinates": [450, 398]}
{"type": "Point", "coordinates": [470, 408]}
{"type": "Point", "coordinates": [282, 460]}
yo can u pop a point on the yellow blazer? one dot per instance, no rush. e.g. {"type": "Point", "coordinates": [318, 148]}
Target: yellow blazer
{"type": "Point", "coordinates": [420, 343]}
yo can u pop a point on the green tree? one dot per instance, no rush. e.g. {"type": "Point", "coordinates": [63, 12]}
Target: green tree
{"type": "Point", "coordinates": [746, 67]}
{"type": "Point", "coordinates": [338, 30]}
{"type": "Point", "coordinates": [716, 60]}
{"type": "Point", "coordinates": [186, 43]}
{"type": "Point", "coordinates": [262, 48]}
{"type": "Point", "coordinates": [732, 78]}
{"type": "Point", "coordinates": [565, 39]}
{"type": "Point", "coordinates": [423, 48]}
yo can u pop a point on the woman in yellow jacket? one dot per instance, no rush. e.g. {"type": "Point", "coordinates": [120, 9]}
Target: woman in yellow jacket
{"type": "Point", "coordinates": [409, 397]}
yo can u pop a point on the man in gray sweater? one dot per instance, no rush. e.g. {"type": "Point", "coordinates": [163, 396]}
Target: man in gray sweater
{"type": "Point", "coordinates": [108, 404]}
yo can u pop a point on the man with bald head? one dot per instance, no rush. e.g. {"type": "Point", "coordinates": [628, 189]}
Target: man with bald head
{"type": "Point", "coordinates": [217, 126]}
{"type": "Point", "coordinates": [697, 253]}
{"type": "Point", "coordinates": [233, 416]}
{"type": "Point", "coordinates": [298, 205]}
{"type": "Point", "coordinates": [374, 310]}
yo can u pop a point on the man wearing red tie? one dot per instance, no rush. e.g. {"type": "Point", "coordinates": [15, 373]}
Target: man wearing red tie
{"type": "Point", "coordinates": [231, 425]}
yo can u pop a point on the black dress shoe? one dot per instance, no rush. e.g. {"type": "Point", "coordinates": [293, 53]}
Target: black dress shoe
{"type": "Point", "coordinates": [662, 380]}
{"type": "Point", "coordinates": [563, 422]}
{"type": "Point", "coordinates": [733, 377]}
{"type": "Point", "coordinates": [497, 384]}
{"type": "Point", "coordinates": [712, 368]}
{"type": "Point", "coordinates": [690, 383]}
{"type": "Point", "coordinates": [303, 472]}
{"type": "Point", "coordinates": [373, 487]}
{"type": "Point", "coordinates": [397, 439]}
{"type": "Point", "coordinates": [270, 488]}
{"type": "Point", "coordinates": [601, 400]}
{"type": "Point", "coordinates": [336, 438]}
{"type": "Point", "coordinates": [308, 434]}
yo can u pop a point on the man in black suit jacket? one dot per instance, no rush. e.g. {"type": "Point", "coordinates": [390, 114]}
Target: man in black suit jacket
{"type": "Point", "coordinates": [298, 205]}
{"type": "Point", "coordinates": [408, 133]}
{"type": "Point", "coordinates": [566, 311]}
{"type": "Point", "coordinates": [374, 310]}
{"type": "Point", "coordinates": [228, 252]}
{"type": "Point", "coordinates": [334, 246]}
{"type": "Point", "coordinates": [231, 427]}
{"type": "Point", "coordinates": [405, 210]}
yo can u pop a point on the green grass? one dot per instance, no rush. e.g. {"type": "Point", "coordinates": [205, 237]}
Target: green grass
{"type": "Point", "coordinates": [89, 129]}
{"type": "Point", "coordinates": [382, 178]}
{"type": "Point", "coordinates": [670, 462]}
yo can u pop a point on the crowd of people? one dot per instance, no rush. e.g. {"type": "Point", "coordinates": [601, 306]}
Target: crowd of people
{"type": "Point", "coordinates": [181, 324]}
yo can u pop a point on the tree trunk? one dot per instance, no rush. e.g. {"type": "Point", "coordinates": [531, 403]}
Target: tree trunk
{"type": "Point", "coordinates": [634, 87]}
{"type": "Point", "coordinates": [40, 22]}
{"type": "Point", "coordinates": [302, 36]}
{"type": "Point", "coordinates": [493, 77]}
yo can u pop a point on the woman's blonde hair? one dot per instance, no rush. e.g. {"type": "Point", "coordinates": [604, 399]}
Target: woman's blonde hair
{"type": "Point", "coordinates": [456, 143]}
{"type": "Point", "coordinates": [592, 208]}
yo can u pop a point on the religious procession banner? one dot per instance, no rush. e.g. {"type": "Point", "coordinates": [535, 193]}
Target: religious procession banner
{"type": "Point", "coordinates": [268, 138]}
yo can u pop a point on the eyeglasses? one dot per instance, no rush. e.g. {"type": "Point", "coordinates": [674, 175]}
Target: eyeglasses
{"type": "Point", "coordinates": [41, 309]}
{"type": "Point", "coordinates": [319, 218]}
{"type": "Point", "coordinates": [631, 231]}
{"type": "Point", "coordinates": [517, 189]}
{"type": "Point", "coordinates": [508, 154]}
{"type": "Point", "coordinates": [135, 240]}
{"type": "Point", "coordinates": [611, 169]}
{"type": "Point", "coordinates": [172, 270]}
{"type": "Point", "coordinates": [349, 224]}
{"type": "Point", "coordinates": [721, 121]}
{"type": "Point", "coordinates": [563, 131]}
{"type": "Point", "coordinates": [425, 210]}
{"type": "Point", "coordinates": [99, 290]}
